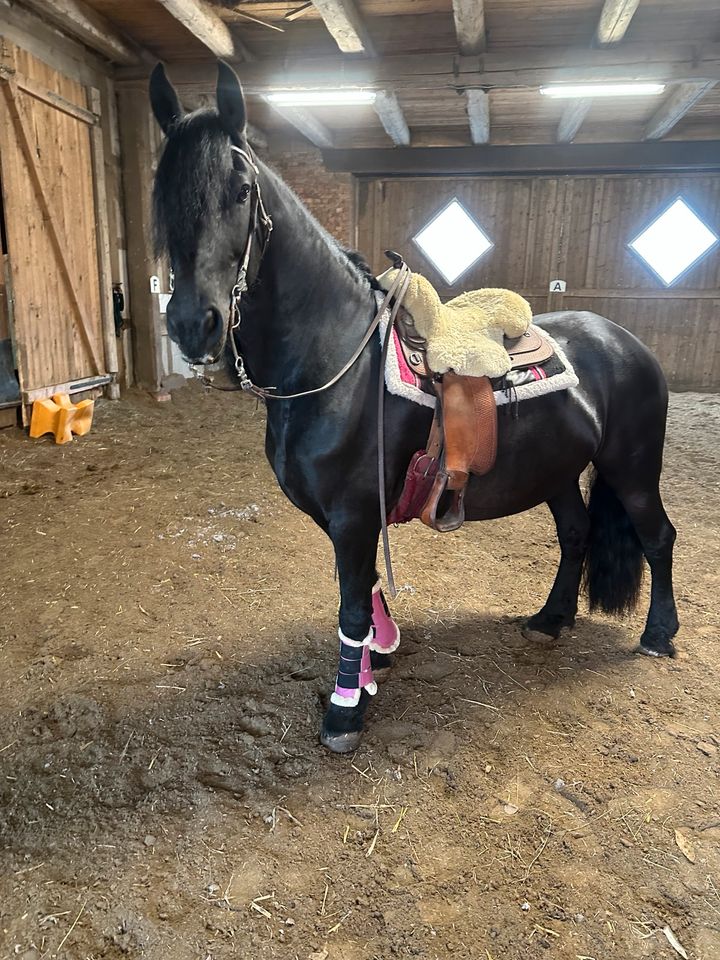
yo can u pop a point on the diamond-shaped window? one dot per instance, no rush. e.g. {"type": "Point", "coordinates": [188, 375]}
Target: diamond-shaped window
{"type": "Point", "coordinates": [452, 241]}
{"type": "Point", "coordinates": [674, 242]}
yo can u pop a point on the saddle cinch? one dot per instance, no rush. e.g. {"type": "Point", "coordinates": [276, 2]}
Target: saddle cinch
{"type": "Point", "coordinates": [463, 436]}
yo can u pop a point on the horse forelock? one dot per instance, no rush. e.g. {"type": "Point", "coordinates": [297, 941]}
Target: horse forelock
{"type": "Point", "coordinates": [191, 178]}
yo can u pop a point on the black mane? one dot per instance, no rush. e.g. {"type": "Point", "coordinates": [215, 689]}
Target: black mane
{"type": "Point", "coordinates": [356, 258]}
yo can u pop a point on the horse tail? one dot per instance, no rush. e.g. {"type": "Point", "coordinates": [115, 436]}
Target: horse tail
{"type": "Point", "coordinates": [614, 561]}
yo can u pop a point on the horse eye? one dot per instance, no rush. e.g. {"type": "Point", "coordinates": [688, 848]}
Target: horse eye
{"type": "Point", "coordinates": [244, 193]}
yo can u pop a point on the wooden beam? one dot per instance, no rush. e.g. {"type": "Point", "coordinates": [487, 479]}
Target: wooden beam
{"type": "Point", "coordinates": [614, 20]}
{"type": "Point", "coordinates": [682, 99]}
{"type": "Point", "coordinates": [505, 69]}
{"type": "Point", "coordinates": [81, 21]}
{"type": "Point", "coordinates": [392, 118]}
{"type": "Point", "coordinates": [346, 26]}
{"type": "Point", "coordinates": [572, 119]}
{"type": "Point", "coordinates": [477, 103]}
{"type": "Point", "coordinates": [206, 26]}
{"type": "Point", "coordinates": [308, 125]}
{"type": "Point", "coordinates": [470, 26]}
{"type": "Point", "coordinates": [542, 159]}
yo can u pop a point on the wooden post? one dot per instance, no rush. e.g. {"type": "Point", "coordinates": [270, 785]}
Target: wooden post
{"type": "Point", "coordinates": [139, 138]}
{"type": "Point", "coordinates": [102, 235]}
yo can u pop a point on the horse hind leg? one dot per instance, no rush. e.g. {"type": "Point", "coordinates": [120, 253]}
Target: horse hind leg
{"type": "Point", "coordinates": [657, 537]}
{"type": "Point", "coordinates": [614, 577]}
{"type": "Point", "coordinates": [573, 527]}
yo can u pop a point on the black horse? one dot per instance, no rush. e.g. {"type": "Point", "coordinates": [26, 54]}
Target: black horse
{"type": "Point", "coordinates": [307, 309]}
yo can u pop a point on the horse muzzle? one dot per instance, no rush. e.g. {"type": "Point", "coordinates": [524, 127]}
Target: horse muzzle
{"type": "Point", "coordinates": [200, 334]}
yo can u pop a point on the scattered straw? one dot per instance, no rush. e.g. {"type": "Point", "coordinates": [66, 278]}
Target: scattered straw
{"type": "Point", "coordinates": [403, 811]}
{"type": "Point", "coordinates": [479, 703]}
{"type": "Point", "coordinates": [256, 906]}
{"type": "Point", "coordinates": [341, 920]}
{"type": "Point", "coordinates": [372, 845]}
{"type": "Point", "coordinates": [72, 927]}
{"type": "Point", "coordinates": [125, 748]}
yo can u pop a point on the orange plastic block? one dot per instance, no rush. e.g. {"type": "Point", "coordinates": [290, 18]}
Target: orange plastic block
{"type": "Point", "coordinates": [61, 417]}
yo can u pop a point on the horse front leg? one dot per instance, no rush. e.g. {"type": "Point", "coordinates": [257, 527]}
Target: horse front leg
{"type": "Point", "coordinates": [367, 635]}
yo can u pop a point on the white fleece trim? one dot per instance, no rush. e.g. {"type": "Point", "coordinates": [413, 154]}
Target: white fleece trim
{"type": "Point", "coordinates": [339, 701]}
{"type": "Point", "coordinates": [356, 643]}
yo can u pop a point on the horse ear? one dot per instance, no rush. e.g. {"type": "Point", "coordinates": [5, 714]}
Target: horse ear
{"type": "Point", "coordinates": [230, 101]}
{"type": "Point", "coordinates": [164, 99]}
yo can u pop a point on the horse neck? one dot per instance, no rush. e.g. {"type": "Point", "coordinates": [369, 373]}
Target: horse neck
{"type": "Point", "coordinates": [309, 306]}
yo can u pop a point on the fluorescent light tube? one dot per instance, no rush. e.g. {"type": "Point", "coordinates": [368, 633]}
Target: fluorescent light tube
{"type": "Point", "coordinates": [568, 90]}
{"type": "Point", "coordinates": [320, 98]}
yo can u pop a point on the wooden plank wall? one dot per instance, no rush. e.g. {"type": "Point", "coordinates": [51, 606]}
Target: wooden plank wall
{"type": "Point", "coordinates": [575, 229]}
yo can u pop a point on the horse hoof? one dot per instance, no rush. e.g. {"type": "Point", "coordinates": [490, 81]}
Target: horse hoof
{"type": "Point", "coordinates": [538, 637]}
{"type": "Point", "coordinates": [667, 651]}
{"type": "Point", "coordinates": [341, 742]}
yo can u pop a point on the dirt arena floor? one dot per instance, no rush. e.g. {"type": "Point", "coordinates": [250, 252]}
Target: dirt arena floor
{"type": "Point", "coordinates": [167, 644]}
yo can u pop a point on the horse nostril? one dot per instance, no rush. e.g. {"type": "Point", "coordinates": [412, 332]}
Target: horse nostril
{"type": "Point", "coordinates": [212, 323]}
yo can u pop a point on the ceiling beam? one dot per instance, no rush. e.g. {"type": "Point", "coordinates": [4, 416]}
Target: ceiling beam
{"type": "Point", "coordinates": [346, 26]}
{"type": "Point", "coordinates": [308, 125]}
{"type": "Point", "coordinates": [392, 118]}
{"type": "Point", "coordinates": [614, 20]}
{"type": "Point", "coordinates": [542, 159]}
{"type": "Point", "coordinates": [81, 21]}
{"type": "Point", "coordinates": [682, 99]}
{"type": "Point", "coordinates": [477, 104]}
{"type": "Point", "coordinates": [572, 119]}
{"type": "Point", "coordinates": [207, 27]}
{"type": "Point", "coordinates": [507, 69]}
{"type": "Point", "coordinates": [470, 26]}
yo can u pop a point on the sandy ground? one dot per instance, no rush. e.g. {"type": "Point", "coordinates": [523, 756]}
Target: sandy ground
{"type": "Point", "coordinates": [167, 644]}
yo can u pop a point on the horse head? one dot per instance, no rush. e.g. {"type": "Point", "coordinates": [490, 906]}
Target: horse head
{"type": "Point", "coordinates": [205, 209]}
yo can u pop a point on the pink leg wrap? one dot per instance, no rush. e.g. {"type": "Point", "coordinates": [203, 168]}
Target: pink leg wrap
{"type": "Point", "coordinates": [386, 633]}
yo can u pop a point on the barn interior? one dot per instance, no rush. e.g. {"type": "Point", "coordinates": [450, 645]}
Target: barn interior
{"type": "Point", "coordinates": [168, 626]}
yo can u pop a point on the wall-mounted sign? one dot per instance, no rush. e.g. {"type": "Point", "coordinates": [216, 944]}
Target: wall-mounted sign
{"type": "Point", "coordinates": [154, 284]}
{"type": "Point", "coordinates": [557, 286]}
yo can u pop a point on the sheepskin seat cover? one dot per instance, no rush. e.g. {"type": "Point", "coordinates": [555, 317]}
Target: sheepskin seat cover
{"type": "Point", "coordinates": [465, 334]}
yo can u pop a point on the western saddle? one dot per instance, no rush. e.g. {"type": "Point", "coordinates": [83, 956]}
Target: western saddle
{"type": "Point", "coordinates": [463, 435]}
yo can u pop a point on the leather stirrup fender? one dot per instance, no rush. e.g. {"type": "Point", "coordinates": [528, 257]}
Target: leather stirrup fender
{"type": "Point", "coordinates": [469, 425]}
